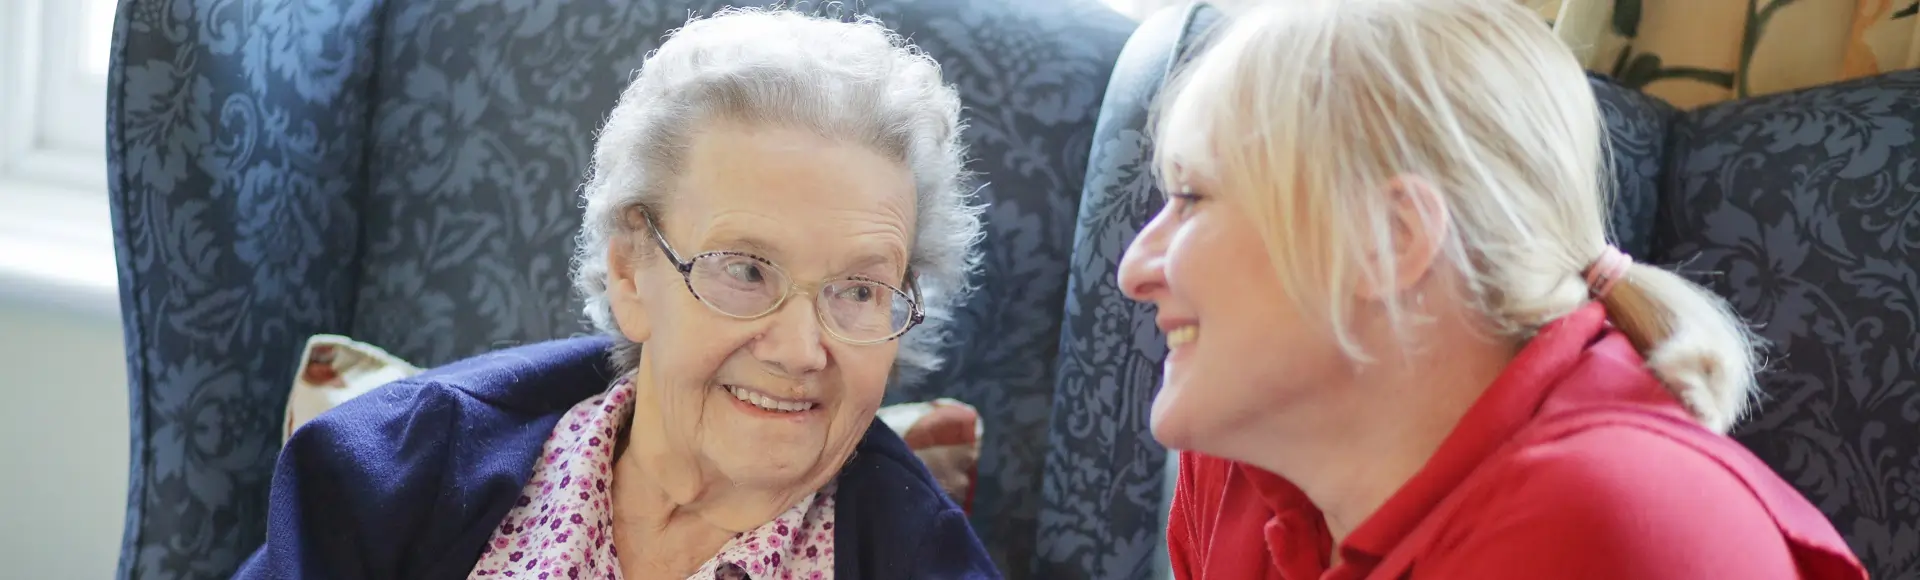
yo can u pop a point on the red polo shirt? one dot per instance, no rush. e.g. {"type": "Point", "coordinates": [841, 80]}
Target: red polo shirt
{"type": "Point", "coordinates": [1575, 463]}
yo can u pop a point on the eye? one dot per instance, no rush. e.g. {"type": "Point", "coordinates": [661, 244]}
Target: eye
{"type": "Point", "coordinates": [745, 271]}
{"type": "Point", "coordinates": [858, 293]}
{"type": "Point", "coordinates": [1183, 201]}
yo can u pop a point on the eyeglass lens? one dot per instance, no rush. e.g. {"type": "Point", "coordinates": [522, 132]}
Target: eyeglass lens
{"type": "Point", "coordinates": [747, 286]}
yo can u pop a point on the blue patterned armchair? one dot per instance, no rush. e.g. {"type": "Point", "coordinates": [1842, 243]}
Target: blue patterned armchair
{"type": "Point", "coordinates": [1802, 208]}
{"type": "Point", "coordinates": [403, 171]}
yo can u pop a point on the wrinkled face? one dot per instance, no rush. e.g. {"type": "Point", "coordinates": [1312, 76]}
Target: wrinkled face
{"type": "Point", "coordinates": [1238, 348]}
{"type": "Point", "coordinates": [775, 402]}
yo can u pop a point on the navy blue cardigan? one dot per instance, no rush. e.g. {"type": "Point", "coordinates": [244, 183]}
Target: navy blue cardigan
{"type": "Point", "coordinates": [409, 480]}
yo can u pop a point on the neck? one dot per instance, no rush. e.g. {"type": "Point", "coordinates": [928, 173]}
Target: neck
{"type": "Point", "coordinates": [652, 529]}
{"type": "Point", "coordinates": [1352, 449]}
{"type": "Point", "coordinates": [661, 478]}
{"type": "Point", "coordinates": [671, 510]}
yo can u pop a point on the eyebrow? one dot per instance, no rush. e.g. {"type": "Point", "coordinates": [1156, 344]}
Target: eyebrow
{"type": "Point", "coordinates": [874, 259]}
{"type": "Point", "coordinates": [743, 243]}
{"type": "Point", "coordinates": [759, 247]}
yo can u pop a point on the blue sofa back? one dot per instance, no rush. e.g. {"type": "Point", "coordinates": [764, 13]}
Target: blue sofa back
{"type": "Point", "coordinates": [1803, 209]}
{"type": "Point", "coordinates": [405, 171]}
{"type": "Point", "coordinates": [1105, 491]}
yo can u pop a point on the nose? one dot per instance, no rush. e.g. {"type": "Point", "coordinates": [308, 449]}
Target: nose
{"type": "Point", "coordinates": [791, 343]}
{"type": "Point", "coordinates": [1143, 274]}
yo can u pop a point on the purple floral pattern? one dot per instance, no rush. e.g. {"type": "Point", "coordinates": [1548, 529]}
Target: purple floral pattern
{"type": "Point", "coordinates": [562, 525]}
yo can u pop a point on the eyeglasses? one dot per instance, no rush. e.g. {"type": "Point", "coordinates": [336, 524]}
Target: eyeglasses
{"type": "Point", "coordinates": [854, 309]}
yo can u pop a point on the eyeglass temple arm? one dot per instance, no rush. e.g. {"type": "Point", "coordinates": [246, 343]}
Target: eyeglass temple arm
{"type": "Point", "coordinates": [919, 305]}
{"type": "Point", "coordinates": [684, 266]}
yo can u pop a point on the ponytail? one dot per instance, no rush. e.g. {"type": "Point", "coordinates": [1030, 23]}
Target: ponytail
{"type": "Point", "coordinates": [1691, 339]}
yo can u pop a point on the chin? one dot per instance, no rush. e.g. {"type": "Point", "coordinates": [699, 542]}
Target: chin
{"type": "Point", "coordinates": [1195, 420]}
{"type": "Point", "coordinates": [774, 465]}
{"type": "Point", "coordinates": [769, 479]}
{"type": "Point", "coordinates": [1169, 424]}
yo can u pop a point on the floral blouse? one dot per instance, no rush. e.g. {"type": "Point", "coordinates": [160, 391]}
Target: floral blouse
{"type": "Point", "coordinates": [562, 525]}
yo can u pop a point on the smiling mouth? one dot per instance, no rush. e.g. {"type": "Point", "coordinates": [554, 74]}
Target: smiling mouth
{"type": "Point", "coordinates": [1181, 336]}
{"type": "Point", "coordinates": [766, 403]}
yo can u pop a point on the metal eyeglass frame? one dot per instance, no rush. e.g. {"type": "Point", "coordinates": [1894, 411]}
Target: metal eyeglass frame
{"type": "Point", "coordinates": [685, 267]}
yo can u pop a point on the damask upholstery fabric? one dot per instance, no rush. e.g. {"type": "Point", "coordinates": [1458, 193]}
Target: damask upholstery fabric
{"type": "Point", "coordinates": [1103, 516]}
{"type": "Point", "coordinates": [237, 140]}
{"type": "Point", "coordinates": [1637, 127]}
{"type": "Point", "coordinates": [404, 171]}
{"type": "Point", "coordinates": [1803, 208]}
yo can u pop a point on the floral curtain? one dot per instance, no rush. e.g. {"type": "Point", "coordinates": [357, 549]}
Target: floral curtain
{"type": "Point", "coordinates": [1699, 52]}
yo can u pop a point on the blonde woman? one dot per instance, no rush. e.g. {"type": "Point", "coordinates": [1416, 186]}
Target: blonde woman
{"type": "Point", "coordinates": [1400, 345]}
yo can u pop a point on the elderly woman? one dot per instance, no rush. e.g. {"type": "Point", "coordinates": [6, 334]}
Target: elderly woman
{"type": "Point", "coordinates": [1399, 344]}
{"type": "Point", "coordinates": [773, 225]}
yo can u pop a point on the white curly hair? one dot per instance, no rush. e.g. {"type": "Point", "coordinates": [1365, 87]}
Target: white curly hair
{"type": "Point", "coordinates": [851, 80]}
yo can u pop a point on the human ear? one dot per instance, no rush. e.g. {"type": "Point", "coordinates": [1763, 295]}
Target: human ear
{"type": "Point", "coordinates": [626, 277]}
{"type": "Point", "coordinates": [1420, 223]}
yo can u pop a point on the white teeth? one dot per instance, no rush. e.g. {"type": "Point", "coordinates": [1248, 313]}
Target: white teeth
{"type": "Point", "coordinates": [1182, 335]}
{"type": "Point", "coordinates": [766, 402]}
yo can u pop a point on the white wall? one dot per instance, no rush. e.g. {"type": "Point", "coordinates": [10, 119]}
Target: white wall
{"type": "Point", "coordinates": [63, 440]}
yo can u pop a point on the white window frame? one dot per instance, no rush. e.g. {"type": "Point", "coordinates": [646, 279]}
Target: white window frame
{"type": "Point", "coordinates": [56, 239]}
{"type": "Point", "coordinates": [1139, 10]}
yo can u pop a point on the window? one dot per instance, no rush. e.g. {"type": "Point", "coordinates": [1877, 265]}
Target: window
{"type": "Point", "coordinates": [56, 88]}
{"type": "Point", "coordinates": [1141, 9]}
{"type": "Point", "coordinates": [1136, 9]}
{"type": "Point", "coordinates": [55, 234]}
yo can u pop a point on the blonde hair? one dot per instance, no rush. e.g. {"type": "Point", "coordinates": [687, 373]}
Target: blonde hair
{"type": "Point", "coordinates": [1309, 110]}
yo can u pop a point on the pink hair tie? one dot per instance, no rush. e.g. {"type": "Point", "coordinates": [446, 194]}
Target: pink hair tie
{"type": "Point", "coordinates": [1606, 270]}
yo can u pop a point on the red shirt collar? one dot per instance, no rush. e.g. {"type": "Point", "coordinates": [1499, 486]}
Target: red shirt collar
{"type": "Point", "coordinates": [1297, 538]}
{"type": "Point", "coordinates": [1536, 382]}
